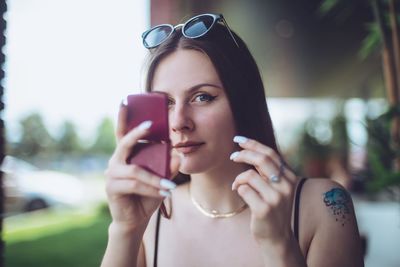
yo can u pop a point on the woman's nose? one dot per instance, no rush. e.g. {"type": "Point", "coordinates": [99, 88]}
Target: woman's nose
{"type": "Point", "coordinates": [180, 118]}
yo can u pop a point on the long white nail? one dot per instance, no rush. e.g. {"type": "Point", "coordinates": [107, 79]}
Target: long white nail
{"type": "Point", "coordinates": [145, 125]}
{"type": "Point", "coordinates": [240, 139]}
{"type": "Point", "coordinates": [164, 193]}
{"type": "Point", "coordinates": [167, 184]}
{"type": "Point", "coordinates": [234, 155]}
{"type": "Point", "coordinates": [124, 101]}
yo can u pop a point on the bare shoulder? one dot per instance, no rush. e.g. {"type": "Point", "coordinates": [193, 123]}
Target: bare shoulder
{"type": "Point", "coordinates": [328, 222]}
{"type": "Point", "coordinates": [328, 199]}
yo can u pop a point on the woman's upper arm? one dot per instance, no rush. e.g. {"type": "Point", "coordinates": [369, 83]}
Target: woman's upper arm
{"type": "Point", "coordinates": [336, 240]}
{"type": "Point", "coordinates": [147, 245]}
{"type": "Point", "coordinates": [141, 261]}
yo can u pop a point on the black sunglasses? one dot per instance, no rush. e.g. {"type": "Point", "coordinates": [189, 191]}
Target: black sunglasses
{"type": "Point", "coordinates": [195, 27]}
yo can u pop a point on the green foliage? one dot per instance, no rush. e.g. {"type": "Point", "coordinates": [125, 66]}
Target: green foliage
{"type": "Point", "coordinates": [81, 246]}
{"type": "Point", "coordinates": [371, 42]}
{"type": "Point", "coordinates": [320, 142]}
{"type": "Point", "coordinates": [381, 154]}
{"type": "Point", "coordinates": [69, 142]}
{"type": "Point", "coordinates": [105, 141]}
{"type": "Point", "coordinates": [341, 10]}
{"type": "Point", "coordinates": [35, 138]}
{"type": "Point", "coordinates": [312, 146]}
{"type": "Point", "coordinates": [326, 6]}
{"type": "Point", "coordinates": [313, 151]}
{"type": "Point", "coordinates": [340, 139]}
{"type": "Point", "coordinates": [36, 142]}
{"type": "Point", "coordinates": [373, 39]}
{"type": "Point", "coordinates": [382, 178]}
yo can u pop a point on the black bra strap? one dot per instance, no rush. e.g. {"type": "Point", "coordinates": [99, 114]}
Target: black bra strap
{"type": "Point", "coordinates": [297, 208]}
{"type": "Point", "coordinates": [295, 226]}
{"type": "Point", "coordinates": [157, 234]}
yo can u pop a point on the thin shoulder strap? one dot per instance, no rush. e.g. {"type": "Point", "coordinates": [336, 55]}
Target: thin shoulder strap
{"type": "Point", "coordinates": [295, 226]}
{"type": "Point", "coordinates": [297, 208]}
{"type": "Point", "coordinates": [156, 241]}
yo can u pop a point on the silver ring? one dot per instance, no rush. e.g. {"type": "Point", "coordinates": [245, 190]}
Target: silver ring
{"type": "Point", "coordinates": [274, 178]}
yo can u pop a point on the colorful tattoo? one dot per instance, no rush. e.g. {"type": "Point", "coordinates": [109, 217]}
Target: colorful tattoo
{"type": "Point", "coordinates": [339, 202]}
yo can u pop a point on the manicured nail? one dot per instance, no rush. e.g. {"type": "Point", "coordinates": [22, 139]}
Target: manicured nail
{"type": "Point", "coordinates": [233, 186]}
{"type": "Point", "coordinates": [167, 184]}
{"type": "Point", "coordinates": [164, 193]}
{"type": "Point", "coordinates": [145, 125]}
{"type": "Point", "coordinates": [234, 155]}
{"type": "Point", "coordinates": [124, 101]}
{"type": "Point", "coordinates": [240, 139]}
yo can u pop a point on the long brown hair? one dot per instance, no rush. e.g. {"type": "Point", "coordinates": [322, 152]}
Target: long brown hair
{"type": "Point", "coordinates": [238, 73]}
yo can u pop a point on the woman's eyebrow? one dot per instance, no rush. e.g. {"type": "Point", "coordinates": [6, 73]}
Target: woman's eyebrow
{"type": "Point", "coordinates": [197, 86]}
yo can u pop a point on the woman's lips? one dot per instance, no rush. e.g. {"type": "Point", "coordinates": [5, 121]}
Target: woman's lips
{"type": "Point", "coordinates": [188, 147]}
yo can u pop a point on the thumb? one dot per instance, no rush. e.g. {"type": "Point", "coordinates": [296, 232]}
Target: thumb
{"type": "Point", "coordinates": [121, 123]}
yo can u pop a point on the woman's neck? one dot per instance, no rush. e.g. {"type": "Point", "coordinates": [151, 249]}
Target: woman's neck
{"type": "Point", "coordinates": [213, 190]}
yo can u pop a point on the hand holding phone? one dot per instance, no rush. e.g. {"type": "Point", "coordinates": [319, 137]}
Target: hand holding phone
{"type": "Point", "coordinates": [154, 152]}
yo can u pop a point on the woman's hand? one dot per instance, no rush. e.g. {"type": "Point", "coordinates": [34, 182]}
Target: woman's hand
{"type": "Point", "coordinates": [267, 189]}
{"type": "Point", "coordinates": [133, 193]}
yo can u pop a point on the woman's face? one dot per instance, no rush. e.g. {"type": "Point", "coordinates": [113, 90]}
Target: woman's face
{"type": "Point", "coordinates": [201, 121]}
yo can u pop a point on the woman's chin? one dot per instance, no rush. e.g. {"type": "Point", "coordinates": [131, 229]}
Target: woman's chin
{"type": "Point", "coordinates": [189, 168]}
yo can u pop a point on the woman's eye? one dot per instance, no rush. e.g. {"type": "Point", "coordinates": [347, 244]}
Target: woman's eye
{"type": "Point", "coordinates": [204, 98]}
{"type": "Point", "coordinates": [170, 102]}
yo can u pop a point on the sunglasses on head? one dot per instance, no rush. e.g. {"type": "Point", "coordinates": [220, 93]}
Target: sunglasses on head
{"type": "Point", "coordinates": [195, 27]}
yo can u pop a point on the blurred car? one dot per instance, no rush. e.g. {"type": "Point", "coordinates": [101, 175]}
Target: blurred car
{"type": "Point", "coordinates": [28, 188]}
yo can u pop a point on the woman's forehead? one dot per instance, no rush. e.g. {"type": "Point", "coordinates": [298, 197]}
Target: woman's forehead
{"type": "Point", "coordinates": [184, 68]}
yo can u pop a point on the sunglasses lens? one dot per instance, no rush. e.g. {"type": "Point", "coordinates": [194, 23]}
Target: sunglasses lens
{"type": "Point", "coordinates": [157, 35]}
{"type": "Point", "coordinates": [198, 26]}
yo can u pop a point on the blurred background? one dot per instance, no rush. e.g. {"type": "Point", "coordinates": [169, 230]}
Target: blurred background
{"type": "Point", "coordinates": [331, 71]}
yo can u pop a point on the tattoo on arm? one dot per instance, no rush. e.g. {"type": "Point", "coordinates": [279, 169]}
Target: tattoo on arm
{"type": "Point", "coordinates": [339, 202]}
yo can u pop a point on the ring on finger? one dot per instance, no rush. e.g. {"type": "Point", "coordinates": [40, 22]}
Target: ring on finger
{"type": "Point", "coordinates": [275, 178]}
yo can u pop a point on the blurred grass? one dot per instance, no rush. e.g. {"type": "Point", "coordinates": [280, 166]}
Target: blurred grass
{"type": "Point", "coordinates": [57, 240]}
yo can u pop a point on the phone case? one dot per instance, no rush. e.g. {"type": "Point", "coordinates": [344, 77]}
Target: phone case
{"type": "Point", "coordinates": [154, 152]}
{"type": "Point", "coordinates": [150, 106]}
{"type": "Point", "coordinates": [154, 157]}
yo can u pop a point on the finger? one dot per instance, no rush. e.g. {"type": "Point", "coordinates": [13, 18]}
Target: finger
{"type": "Point", "coordinates": [127, 142]}
{"type": "Point", "coordinates": [243, 178]}
{"type": "Point", "coordinates": [268, 191]}
{"type": "Point", "coordinates": [135, 172]}
{"type": "Point", "coordinates": [253, 145]}
{"type": "Point", "coordinates": [257, 206]}
{"type": "Point", "coordinates": [121, 124]}
{"type": "Point", "coordinates": [264, 165]}
{"type": "Point", "coordinates": [264, 189]}
{"type": "Point", "coordinates": [119, 187]}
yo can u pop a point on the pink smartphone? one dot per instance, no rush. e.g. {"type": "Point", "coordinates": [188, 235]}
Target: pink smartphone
{"type": "Point", "coordinates": [154, 151]}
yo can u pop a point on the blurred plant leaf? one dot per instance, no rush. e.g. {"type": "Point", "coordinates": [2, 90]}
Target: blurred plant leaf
{"type": "Point", "coordinates": [383, 178]}
{"type": "Point", "coordinates": [69, 141]}
{"type": "Point", "coordinates": [105, 141]}
{"type": "Point", "coordinates": [380, 153]}
{"type": "Point", "coordinates": [371, 42]}
{"type": "Point", "coordinates": [326, 6]}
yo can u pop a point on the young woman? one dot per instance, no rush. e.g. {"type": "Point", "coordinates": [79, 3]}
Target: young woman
{"type": "Point", "coordinates": [240, 204]}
